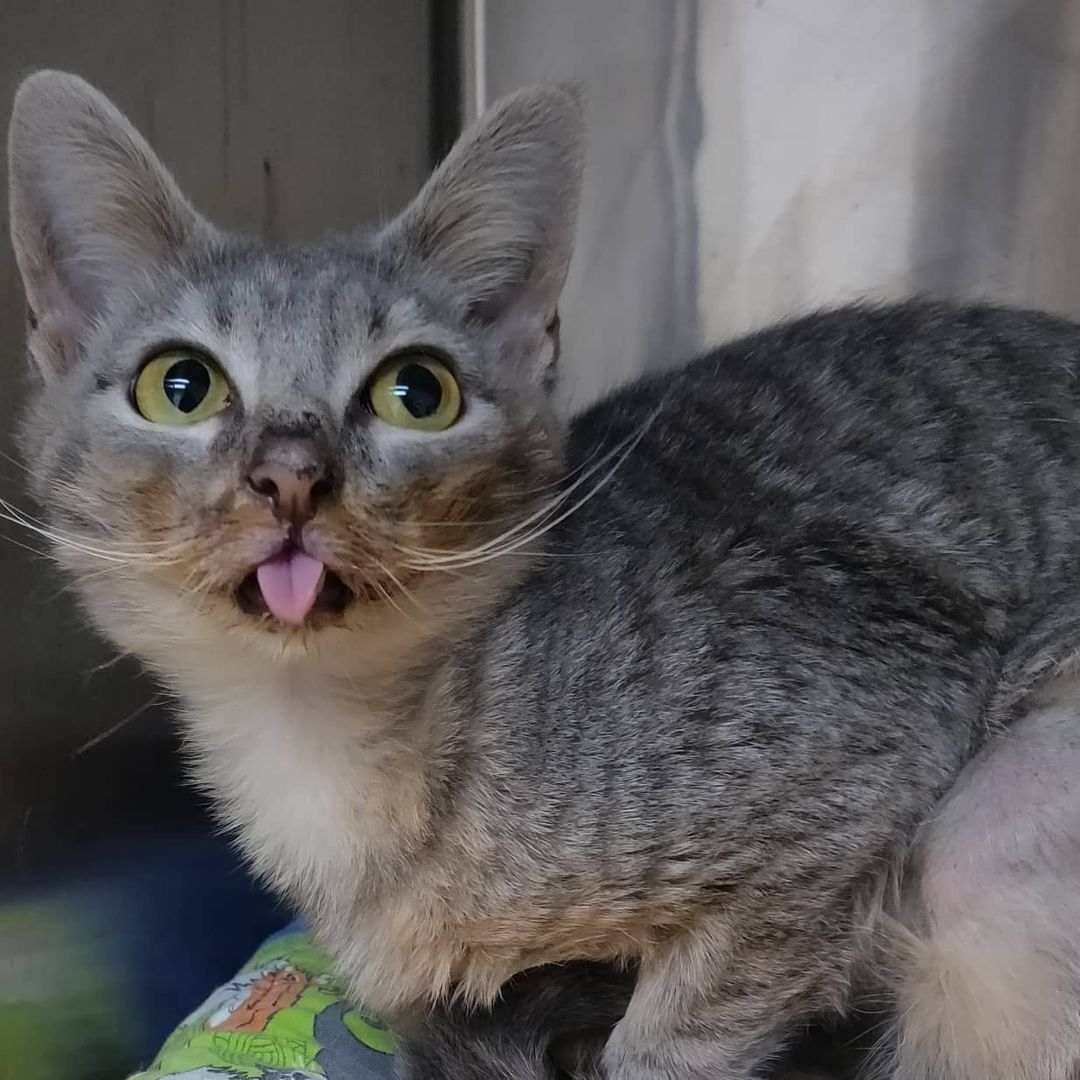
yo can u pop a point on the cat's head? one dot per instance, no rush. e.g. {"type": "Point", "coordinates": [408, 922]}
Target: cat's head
{"type": "Point", "coordinates": [292, 449]}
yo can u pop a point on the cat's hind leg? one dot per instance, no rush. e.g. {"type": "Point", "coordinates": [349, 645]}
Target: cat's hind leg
{"type": "Point", "coordinates": [988, 958]}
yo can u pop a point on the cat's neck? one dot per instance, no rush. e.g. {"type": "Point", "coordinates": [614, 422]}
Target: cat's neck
{"type": "Point", "coordinates": [325, 776]}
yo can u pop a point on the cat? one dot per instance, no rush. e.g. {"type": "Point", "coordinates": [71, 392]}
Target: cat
{"type": "Point", "coordinates": [728, 682]}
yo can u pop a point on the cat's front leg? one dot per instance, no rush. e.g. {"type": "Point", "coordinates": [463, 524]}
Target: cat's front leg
{"type": "Point", "coordinates": [707, 1009]}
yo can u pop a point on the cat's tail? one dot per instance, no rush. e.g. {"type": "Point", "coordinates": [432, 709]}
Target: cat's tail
{"type": "Point", "coordinates": [548, 1023]}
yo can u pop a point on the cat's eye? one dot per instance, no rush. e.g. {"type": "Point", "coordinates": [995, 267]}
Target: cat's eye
{"type": "Point", "coordinates": [415, 390]}
{"type": "Point", "coordinates": [180, 387]}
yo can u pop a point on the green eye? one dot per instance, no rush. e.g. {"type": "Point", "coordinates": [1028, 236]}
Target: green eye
{"type": "Point", "coordinates": [180, 387]}
{"type": "Point", "coordinates": [415, 390]}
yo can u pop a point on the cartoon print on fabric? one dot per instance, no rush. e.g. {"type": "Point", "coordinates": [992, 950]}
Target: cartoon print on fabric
{"type": "Point", "coordinates": [281, 1018]}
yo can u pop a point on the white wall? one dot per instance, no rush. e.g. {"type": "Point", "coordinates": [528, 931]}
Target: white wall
{"type": "Point", "coordinates": [631, 292]}
{"type": "Point", "coordinates": [886, 147]}
{"type": "Point", "coordinates": [753, 158]}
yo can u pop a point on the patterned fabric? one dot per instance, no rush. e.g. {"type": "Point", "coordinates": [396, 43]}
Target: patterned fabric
{"type": "Point", "coordinates": [281, 1018]}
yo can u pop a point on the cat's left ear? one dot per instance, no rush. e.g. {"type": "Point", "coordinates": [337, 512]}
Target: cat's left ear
{"type": "Point", "coordinates": [495, 223]}
{"type": "Point", "coordinates": [92, 210]}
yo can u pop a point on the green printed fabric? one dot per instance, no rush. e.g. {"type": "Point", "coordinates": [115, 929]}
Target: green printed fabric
{"type": "Point", "coordinates": [281, 1018]}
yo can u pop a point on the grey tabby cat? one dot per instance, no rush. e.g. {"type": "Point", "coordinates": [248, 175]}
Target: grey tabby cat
{"type": "Point", "coordinates": [701, 686]}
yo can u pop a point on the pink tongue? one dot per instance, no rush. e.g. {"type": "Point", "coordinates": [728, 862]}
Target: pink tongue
{"type": "Point", "coordinates": [290, 582]}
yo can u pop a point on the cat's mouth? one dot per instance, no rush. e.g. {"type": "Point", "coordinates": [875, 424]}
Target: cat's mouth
{"type": "Point", "coordinates": [291, 586]}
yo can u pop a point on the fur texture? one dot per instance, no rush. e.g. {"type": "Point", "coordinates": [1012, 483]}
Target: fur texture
{"type": "Point", "coordinates": [673, 688]}
{"type": "Point", "coordinates": [988, 963]}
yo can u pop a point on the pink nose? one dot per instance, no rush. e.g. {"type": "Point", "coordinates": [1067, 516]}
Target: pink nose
{"type": "Point", "coordinates": [294, 476]}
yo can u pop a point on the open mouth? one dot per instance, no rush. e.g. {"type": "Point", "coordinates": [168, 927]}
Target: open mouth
{"type": "Point", "coordinates": [291, 586]}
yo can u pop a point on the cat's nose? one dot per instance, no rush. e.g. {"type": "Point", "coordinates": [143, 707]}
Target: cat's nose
{"type": "Point", "coordinates": [295, 475]}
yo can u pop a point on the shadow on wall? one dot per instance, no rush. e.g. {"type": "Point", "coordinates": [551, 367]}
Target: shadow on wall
{"type": "Point", "coordinates": [998, 207]}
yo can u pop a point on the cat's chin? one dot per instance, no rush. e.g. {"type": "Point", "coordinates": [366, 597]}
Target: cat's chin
{"type": "Point", "coordinates": [333, 600]}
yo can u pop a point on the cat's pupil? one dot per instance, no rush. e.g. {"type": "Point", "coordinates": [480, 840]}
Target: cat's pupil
{"type": "Point", "coordinates": [418, 389]}
{"type": "Point", "coordinates": [187, 382]}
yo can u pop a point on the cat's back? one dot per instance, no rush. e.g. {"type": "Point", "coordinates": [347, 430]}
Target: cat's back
{"type": "Point", "coordinates": [941, 428]}
{"type": "Point", "coordinates": [831, 493]}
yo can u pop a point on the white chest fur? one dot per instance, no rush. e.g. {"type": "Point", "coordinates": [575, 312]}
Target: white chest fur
{"type": "Point", "coordinates": [279, 766]}
{"type": "Point", "coordinates": [329, 800]}
{"type": "Point", "coordinates": [312, 781]}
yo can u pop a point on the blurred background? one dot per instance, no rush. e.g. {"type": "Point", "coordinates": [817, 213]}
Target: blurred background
{"type": "Point", "coordinates": [747, 159]}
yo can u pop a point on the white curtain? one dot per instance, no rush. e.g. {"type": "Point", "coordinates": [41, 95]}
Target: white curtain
{"type": "Point", "coordinates": [749, 159]}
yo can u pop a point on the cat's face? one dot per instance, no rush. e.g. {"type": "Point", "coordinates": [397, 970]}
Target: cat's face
{"type": "Point", "coordinates": [289, 449]}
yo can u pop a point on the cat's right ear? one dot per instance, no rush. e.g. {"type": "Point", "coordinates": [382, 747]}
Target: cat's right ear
{"type": "Point", "coordinates": [92, 210]}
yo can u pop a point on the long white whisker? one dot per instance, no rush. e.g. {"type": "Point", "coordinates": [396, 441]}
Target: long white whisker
{"type": "Point", "coordinates": [434, 556]}
{"type": "Point", "coordinates": [384, 592]}
{"type": "Point", "coordinates": [46, 554]}
{"type": "Point", "coordinates": [394, 578]}
{"type": "Point", "coordinates": [28, 518]}
{"type": "Point", "coordinates": [53, 538]}
{"type": "Point", "coordinates": [14, 461]}
{"type": "Point", "coordinates": [104, 666]}
{"type": "Point", "coordinates": [60, 542]}
{"type": "Point", "coordinates": [101, 736]}
{"type": "Point", "coordinates": [467, 561]}
{"type": "Point", "coordinates": [118, 555]}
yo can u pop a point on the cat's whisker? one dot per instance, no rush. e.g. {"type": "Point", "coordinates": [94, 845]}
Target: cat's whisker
{"type": "Point", "coordinates": [468, 560]}
{"type": "Point", "coordinates": [101, 571]}
{"type": "Point", "coordinates": [145, 707]}
{"type": "Point", "coordinates": [65, 479]}
{"type": "Point", "coordinates": [371, 582]}
{"type": "Point", "coordinates": [54, 544]}
{"type": "Point", "coordinates": [118, 555]}
{"type": "Point", "coordinates": [433, 556]}
{"type": "Point", "coordinates": [12, 460]}
{"type": "Point", "coordinates": [512, 553]}
{"type": "Point", "coordinates": [406, 592]}
{"type": "Point", "coordinates": [29, 519]}
{"type": "Point", "coordinates": [140, 548]}
{"type": "Point", "coordinates": [518, 495]}
{"type": "Point", "coordinates": [197, 584]}
{"type": "Point", "coordinates": [41, 554]}
{"type": "Point", "coordinates": [385, 594]}
{"type": "Point", "coordinates": [469, 523]}
{"type": "Point", "coordinates": [57, 541]}
{"type": "Point", "coordinates": [84, 576]}
{"type": "Point", "coordinates": [105, 665]}
{"type": "Point", "coordinates": [62, 590]}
